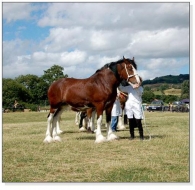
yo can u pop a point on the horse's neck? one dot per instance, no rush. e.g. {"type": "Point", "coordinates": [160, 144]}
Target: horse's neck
{"type": "Point", "coordinates": [108, 78]}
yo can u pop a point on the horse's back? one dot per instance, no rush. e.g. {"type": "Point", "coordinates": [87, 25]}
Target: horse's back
{"type": "Point", "coordinates": [81, 92]}
{"type": "Point", "coordinates": [67, 90]}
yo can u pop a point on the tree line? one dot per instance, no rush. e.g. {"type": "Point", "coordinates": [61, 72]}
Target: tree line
{"type": "Point", "coordinates": [30, 91]}
{"type": "Point", "coordinates": [149, 94]}
{"type": "Point", "coordinates": [169, 79]}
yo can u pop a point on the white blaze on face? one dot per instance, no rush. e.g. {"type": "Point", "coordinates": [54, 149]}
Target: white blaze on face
{"type": "Point", "coordinates": [136, 75]}
{"type": "Point", "coordinates": [136, 85]}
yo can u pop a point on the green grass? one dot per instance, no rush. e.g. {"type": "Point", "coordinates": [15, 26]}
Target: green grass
{"type": "Point", "coordinates": [165, 158]}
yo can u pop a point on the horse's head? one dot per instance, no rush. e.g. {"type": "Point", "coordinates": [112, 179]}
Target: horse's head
{"type": "Point", "coordinates": [129, 73]}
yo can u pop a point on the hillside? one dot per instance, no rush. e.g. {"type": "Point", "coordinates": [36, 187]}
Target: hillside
{"type": "Point", "coordinates": [169, 79]}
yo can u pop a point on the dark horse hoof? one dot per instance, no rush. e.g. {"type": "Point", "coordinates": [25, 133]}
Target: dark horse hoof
{"type": "Point", "coordinates": [89, 130]}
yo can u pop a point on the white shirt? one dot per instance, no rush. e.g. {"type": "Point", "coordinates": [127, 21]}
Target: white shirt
{"type": "Point", "coordinates": [134, 101]}
{"type": "Point", "coordinates": [116, 109]}
{"type": "Point", "coordinates": [134, 94]}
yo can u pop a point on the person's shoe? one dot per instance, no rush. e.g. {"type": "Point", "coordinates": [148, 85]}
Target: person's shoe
{"type": "Point", "coordinates": [141, 138]}
{"type": "Point", "coordinates": [131, 138]}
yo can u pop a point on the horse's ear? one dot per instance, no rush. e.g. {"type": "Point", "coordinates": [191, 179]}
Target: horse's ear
{"type": "Point", "coordinates": [123, 57]}
{"type": "Point", "coordinates": [133, 59]}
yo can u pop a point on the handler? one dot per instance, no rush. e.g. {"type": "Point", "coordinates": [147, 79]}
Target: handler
{"type": "Point", "coordinates": [116, 112]}
{"type": "Point", "coordinates": [133, 108]}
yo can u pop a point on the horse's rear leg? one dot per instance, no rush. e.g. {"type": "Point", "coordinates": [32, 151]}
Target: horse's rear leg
{"type": "Point", "coordinates": [48, 138]}
{"type": "Point", "coordinates": [83, 122]}
{"type": "Point", "coordinates": [91, 121]}
{"type": "Point", "coordinates": [55, 124]}
{"type": "Point", "coordinates": [59, 131]}
{"type": "Point", "coordinates": [121, 125]}
{"type": "Point", "coordinates": [77, 118]}
{"type": "Point", "coordinates": [51, 133]}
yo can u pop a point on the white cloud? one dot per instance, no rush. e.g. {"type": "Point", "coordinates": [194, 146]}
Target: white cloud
{"type": "Point", "coordinates": [16, 11]}
{"type": "Point", "coordinates": [82, 37]}
{"type": "Point", "coordinates": [136, 16]}
{"type": "Point", "coordinates": [152, 68]}
{"type": "Point", "coordinates": [60, 39]}
{"type": "Point", "coordinates": [163, 43]}
{"type": "Point", "coordinates": [104, 60]}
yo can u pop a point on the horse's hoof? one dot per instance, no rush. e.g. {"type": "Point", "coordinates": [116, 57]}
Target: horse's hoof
{"type": "Point", "coordinates": [89, 130]}
{"type": "Point", "coordinates": [122, 128]}
{"type": "Point", "coordinates": [112, 137]}
{"type": "Point", "coordinates": [100, 139]}
{"type": "Point", "coordinates": [57, 138]}
{"type": "Point", "coordinates": [82, 129]}
{"type": "Point", "coordinates": [48, 139]}
{"type": "Point", "coordinates": [59, 132]}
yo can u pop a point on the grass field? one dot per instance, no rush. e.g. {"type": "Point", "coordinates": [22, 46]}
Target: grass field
{"type": "Point", "coordinates": [172, 91]}
{"type": "Point", "coordinates": [165, 158]}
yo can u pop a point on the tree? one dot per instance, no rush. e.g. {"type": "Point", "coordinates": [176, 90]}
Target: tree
{"type": "Point", "coordinates": [185, 89]}
{"type": "Point", "coordinates": [148, 96]}
{"type": "Point", "coordinates": [12, 90]}
{"type": "Point", "coordinates": [36, 86]}
{"type": "Point", "coordinates": [147, 88]}
{"type": "Point", "coordinates": [163, 87]}
{"type": "Point", "coordinates": [52, 74]}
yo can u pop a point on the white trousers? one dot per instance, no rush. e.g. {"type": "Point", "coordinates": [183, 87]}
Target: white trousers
{"type": "Point", "coordinates": [135, 109]}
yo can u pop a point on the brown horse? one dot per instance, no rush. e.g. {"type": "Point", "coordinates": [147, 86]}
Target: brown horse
{"type": "Point", "coordinates": [98, 91]}
{"type": "Point", "coordinates": [122, 120]}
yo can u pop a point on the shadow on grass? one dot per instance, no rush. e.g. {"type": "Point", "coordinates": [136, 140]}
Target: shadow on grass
{"type": "Point", "coordinates": [65, 132]}
{"type": "Point", "coordinates": [86, 138]}
{"type": "Point", "coordinates": [146, 137]}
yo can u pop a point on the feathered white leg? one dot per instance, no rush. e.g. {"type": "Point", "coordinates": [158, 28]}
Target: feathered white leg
{"type": "Point", "coordinates": [48, 138]}
{"type": "Point", "coordinates": [77, 117]}
{"type": "Point", "coordinates": [91, 123]}
{"type": "Point", "coordinates": [121, 125]}
{"type": "Point", "coordinates": [110, 135]}
{"type": "Point", "coordinates": [59, 131]}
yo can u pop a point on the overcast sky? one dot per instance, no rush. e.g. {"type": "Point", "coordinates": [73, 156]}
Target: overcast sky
{"type": "Point", "coordinates": [82, 37]}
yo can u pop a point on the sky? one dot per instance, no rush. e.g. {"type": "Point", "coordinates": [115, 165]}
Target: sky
{"type": "Point", "coordinates": [82, 37]}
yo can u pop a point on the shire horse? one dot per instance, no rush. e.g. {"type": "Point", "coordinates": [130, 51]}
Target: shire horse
{"type": "Point", "coordinates": [98, 91]}
{"type": "Point", "coordinates": [122, 120]}
{"type": "Point", "coordinates": [85, 120]}
{"type": "Point", "coordinates": [88, 116]}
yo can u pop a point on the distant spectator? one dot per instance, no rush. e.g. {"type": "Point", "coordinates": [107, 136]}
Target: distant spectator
{"type": "Point", "coordinates": [15, 104]}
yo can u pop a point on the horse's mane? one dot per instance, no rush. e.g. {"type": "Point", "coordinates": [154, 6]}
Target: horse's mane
{"type": "Point", "coordinates": [117, 62]}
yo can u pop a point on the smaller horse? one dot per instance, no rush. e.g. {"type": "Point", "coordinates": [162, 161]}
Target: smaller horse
{"type": "Point", "coordinates": [98, 92]}
{"type": "Point", "coordinates": [122, 98]}
{"type": "Point", "coordinates": [88, 117]}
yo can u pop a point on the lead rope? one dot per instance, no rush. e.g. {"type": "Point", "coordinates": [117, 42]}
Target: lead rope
{"type": "Point", "coordinates": [144, 118]}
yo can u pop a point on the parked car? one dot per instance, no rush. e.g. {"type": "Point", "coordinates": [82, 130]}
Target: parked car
{"type": "Point", "coordinates": [179, 106]}
{"type": "Point", "coordinates": [157, 105]}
